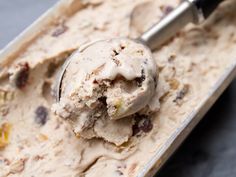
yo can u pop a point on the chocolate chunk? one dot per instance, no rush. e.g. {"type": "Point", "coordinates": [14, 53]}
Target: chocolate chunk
{"type": "Point", "coordinates": [122, 47]}
{"type": "Point", "coordinates": [23, 76]}
{"type": "Point", "coordinates": [142, 123]}
{"type": "Point", "coordinates": [136, 129]}
{"type": "Point", "coordinates": [60, 30]}
{"type": "Point", "coordinates": [103, 100]}
{"type": "Point", "coordinates": [41, 115]}
{"type": "Point", "coordinates": [115, 53]}
{"type": "Point", "coordinates": [139, 80]}
{"type": "Point", "coordinates": [146, 125]}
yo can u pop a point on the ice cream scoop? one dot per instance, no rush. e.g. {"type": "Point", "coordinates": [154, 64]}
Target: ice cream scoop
{"type": "Point", "coordinates": [188, 11]}
{"type": "Point", "coordinates": [117, 78]}
{"type": "Point", "coordinates": [105, 82]}
{"type": "Point", "coordinates": [119, 74]}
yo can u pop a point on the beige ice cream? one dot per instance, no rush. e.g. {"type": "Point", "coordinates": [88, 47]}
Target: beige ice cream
{"type": "Point", "coordinates": [104, 85]}
{"type": "Point", "coordinates": [36, 142]}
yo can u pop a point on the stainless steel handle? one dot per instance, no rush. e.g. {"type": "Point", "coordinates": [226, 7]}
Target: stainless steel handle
{"type": "Point", "coordinates": [158, 34]}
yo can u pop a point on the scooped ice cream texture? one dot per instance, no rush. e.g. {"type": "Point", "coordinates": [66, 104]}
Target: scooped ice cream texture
{"type": "Point", "coordinates": [104, 85]}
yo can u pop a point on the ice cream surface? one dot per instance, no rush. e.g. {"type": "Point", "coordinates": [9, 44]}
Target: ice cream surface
{"type": "Point", "coordinates": [105, 82]}
{"type": "Point", "coordinates": [36, 142]}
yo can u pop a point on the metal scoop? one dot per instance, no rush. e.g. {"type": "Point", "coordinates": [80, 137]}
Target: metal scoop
{"type": "Point", "coordinates": [188, 11]}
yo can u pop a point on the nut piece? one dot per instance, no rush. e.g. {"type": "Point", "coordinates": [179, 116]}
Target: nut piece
{"type": "Point", "coordinates": [4, 135]}
{"type": "Point", "coordinates": [42, 137]}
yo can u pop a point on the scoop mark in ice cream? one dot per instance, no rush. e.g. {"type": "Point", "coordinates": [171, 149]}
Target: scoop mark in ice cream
{"type": "Point", "coordinates": [41, 115]}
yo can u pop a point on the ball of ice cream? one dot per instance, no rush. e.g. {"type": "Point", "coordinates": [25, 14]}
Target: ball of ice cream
{"type": "Point", "coordinates": [108, 80]}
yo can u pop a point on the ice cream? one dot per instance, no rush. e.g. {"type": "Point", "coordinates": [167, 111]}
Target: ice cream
{"type": "Point", "coordinates": [106, 81]}
{"type": "Point", "coordinates": [36, 142]}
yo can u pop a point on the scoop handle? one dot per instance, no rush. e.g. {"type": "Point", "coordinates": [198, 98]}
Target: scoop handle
{"type": "Point", "coordinates": [207, 6]}
{"type": "Point", "coordinates": [188, 11]}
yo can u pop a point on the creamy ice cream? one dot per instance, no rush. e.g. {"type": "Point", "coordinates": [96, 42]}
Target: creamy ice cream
{"type": "Point", "coordinates": [36, 142]}
{"type": "Point", "coordinates": [106, 81]}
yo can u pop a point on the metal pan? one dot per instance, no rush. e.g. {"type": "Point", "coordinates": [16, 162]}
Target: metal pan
{"type": "Point", "coordinates": [66, 7]}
